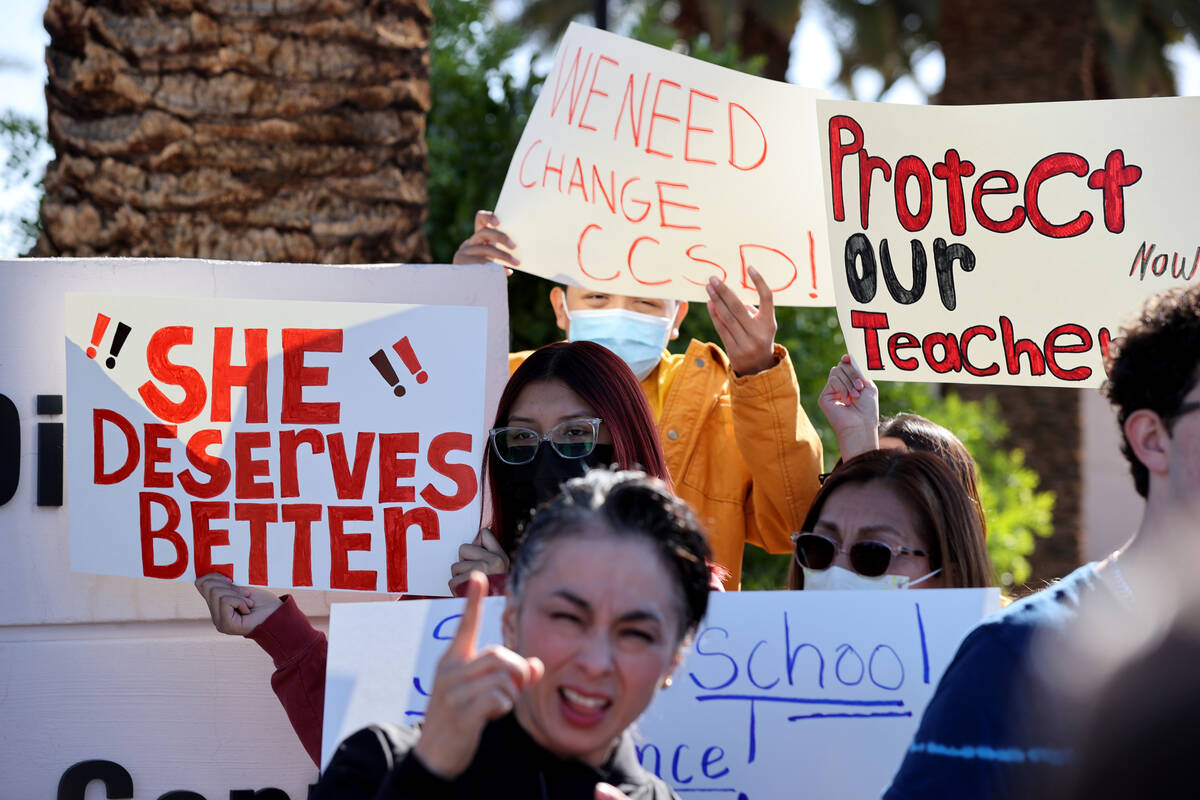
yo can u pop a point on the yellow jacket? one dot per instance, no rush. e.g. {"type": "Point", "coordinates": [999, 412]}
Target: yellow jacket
{"type": "Point", "coordinates": [741, 451]}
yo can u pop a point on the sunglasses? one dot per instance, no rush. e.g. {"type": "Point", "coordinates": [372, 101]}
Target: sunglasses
{"type": "Point", "coordinates": [868, 557]}
{"type": "Point", "coordinates": [574, 438]}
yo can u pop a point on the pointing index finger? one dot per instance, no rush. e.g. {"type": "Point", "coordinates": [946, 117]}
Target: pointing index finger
{"type": "Point", "coordinates": [462, 646]}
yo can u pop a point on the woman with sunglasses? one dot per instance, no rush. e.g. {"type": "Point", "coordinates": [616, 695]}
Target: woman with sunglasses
{"type": "Point", "coordinates": [891, 519]}
{"type": "Point", "coordinates": [568, 407]}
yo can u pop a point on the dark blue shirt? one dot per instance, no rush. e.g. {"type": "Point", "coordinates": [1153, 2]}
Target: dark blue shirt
{"type": "Point", "coordinates": [989, 730]}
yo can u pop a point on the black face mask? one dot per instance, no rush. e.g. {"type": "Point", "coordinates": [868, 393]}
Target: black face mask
{"type": "Point", "coordinates": [521, 488]}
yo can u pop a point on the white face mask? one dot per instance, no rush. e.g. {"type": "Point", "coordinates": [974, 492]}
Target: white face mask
{"type": "Point", "coordinates": [839, 578]}
{"type": "Point", "coordinates": [637, 338]}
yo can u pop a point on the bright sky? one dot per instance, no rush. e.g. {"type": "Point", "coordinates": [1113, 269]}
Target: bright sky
{"type": "Point", "coordinates": [814, 63]}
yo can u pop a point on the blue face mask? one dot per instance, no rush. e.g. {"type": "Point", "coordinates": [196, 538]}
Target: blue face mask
{"type": "Point", "coordinates": [638, 339]}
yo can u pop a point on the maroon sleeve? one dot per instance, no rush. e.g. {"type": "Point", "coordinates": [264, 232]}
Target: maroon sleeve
{"type": "Point", "coordinates": [299, 651]}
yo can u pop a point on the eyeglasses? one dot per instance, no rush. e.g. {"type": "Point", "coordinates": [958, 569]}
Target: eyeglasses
{"type": "Point", "coordinates": [573, 438]}
{"type": "Point", "coordinates": [868, 557]}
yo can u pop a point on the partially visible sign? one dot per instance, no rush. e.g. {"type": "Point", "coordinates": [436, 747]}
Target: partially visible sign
{"type": "Point", "coordinates": [283, 443]}
{"type": "Point", "coordinates": [780, 691]}
{"type": "Point", "coordinates": [1005, 244]}
{"type": "Point", "coordinates": [644, 172]}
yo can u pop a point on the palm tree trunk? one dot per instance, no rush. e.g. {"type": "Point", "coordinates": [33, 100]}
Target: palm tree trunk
{"type": "Point", "coordinates": [283, 131]}
{"type": "Point", "coordinates": [1027, 51]}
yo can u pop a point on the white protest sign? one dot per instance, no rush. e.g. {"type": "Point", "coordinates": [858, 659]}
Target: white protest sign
{"type": "Point", "coordinates": [780, 694]}
{"type": "Point", "coordinates": [1005, 244]}
{"type": "Point", "coordinates": [644, 172]}
{"type": "Point", "coordinates": [284, 443]}
{"type": "Point", "coordinates": [125, 688]}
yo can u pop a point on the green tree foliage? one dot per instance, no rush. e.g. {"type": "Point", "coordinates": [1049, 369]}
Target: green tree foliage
{"type": "Point", "coordinates": [891, 36]}
{"type": "Point", "coordinates": [480, 108]}
{"type": "Point", "coordinates": [23, 140]}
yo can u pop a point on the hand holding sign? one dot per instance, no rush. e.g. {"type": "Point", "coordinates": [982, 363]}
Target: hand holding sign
{"type": "Point", "coordinates": [748, 335]}
{"type": "Point", "coordinates": [487, 244]}
{"type": "Point", "coordinates": [471, 689]}
{"type": "Point", "coordinates": [850, 401]}
{"type": "Point", "coordinates": [235, 610]}
{"type": "Point", "coordinates": [484, 554]}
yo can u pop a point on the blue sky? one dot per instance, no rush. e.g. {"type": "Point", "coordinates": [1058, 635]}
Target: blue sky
{"type": "Point", "coordinates": [23, 73]}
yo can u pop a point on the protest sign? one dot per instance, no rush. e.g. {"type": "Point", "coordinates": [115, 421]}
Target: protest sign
{"type": "Point", "coordinates": [125, 686]}
{"type": "Point", "coordinates": [1005, 244]}
{"type": "Point", "coordinates": [644, 172]}
{"type": "Point", "coordinates": [780, 693]}
{"type": "Point", "coordinates": [283, 443]}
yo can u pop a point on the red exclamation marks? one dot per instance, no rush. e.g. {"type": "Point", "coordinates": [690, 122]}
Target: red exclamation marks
{"type": "Point", "coordinates": [404, 349]}
{"type": "Point", "coordinates": [114, 350]}
{"type": "Point", "coordinates": [97, 334]}
{"type": "Point", "coordinates": [384, 367]}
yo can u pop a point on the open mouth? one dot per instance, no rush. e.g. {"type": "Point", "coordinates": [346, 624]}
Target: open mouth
{"type": "Point", "coordinates": [581, 708]}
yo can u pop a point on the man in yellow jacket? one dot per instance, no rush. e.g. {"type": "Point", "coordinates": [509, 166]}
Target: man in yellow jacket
{"type": "Point", "coordinates": [740, 448]}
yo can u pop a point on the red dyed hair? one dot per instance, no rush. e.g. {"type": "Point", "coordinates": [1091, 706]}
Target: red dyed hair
{"type": "Point", "coordinates": [606, 383]}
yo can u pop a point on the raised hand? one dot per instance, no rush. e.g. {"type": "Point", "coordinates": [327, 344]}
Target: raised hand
{"type": "Point", "coordinates": [235, 610]}
{"type": "Point", "coordinates": [747, 333]}
{"type": "Point", "coordinates": [484, 554]}
{"type": "Point", "coordinates": [850, 401]}
{"type": "Point", "coordinates": [471, 689]}
{"type": "Point", "coordinates": [487, 244]}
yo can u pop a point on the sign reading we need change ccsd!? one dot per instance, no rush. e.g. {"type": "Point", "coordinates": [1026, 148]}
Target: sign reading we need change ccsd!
{"type": "Point", "coordinates": [644, 172]}
{"type": "Point", "coordinates": [330, 445]}
{"type": "Point", "coordinates": [1005, 244]}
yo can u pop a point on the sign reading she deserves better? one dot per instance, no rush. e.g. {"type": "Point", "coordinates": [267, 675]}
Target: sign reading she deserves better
{"type": "Point", "coordinates": [781, 694]}
{"type": "Point", "coordinates": [1005, 244]}
{"type": "Point", "coordinates": [286, 444]}
{"type": "Point", "coordinates": [644, 172]}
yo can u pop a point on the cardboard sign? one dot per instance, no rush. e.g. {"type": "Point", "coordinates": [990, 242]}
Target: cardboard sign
{"type": "Point", "coordinates": [644, 172]}
{"type": "Point", "coordinates": [779, 690]}
{"type": "Point", "coordinates": [328, 445]}
{"type": "Point", "coordinates": [1005, 244]}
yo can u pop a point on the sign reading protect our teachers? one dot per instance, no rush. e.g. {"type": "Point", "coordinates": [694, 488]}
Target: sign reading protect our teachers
{"type": "Point", "coordinates": [780, 694]}
{"type": "Point", "coordinates": [644, 172]}
{"type": "Point", "coordinates": [330, 445]}
{"type": "Point", "coordinates": [1005, 244]}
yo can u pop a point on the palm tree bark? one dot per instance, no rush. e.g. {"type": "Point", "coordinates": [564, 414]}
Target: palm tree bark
{"type": "Point", "coordinates": [1029, 51]}
{"type": "Point", "coordinates": [284, 131]}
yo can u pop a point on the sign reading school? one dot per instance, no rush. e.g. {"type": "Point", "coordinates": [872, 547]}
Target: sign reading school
{"type": "Point", "coordinates": [780, 694]}
{"type": "Point", "coordinates": [287, 444]}
{"type": "Point", "coordinates": [644, 172]}
{"type": "Point", "coordinates": [1005, 244]}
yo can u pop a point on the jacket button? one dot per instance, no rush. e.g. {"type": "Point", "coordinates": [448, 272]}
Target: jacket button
{"type": "Point", "coordinates": [672, 434]}
{"type": "Point", "coordinates": [699, 362]}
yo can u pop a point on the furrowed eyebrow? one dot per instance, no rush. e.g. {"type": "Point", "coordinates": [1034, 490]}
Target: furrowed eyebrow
{"type": "Point", "coordinates": [637, 615]}
{"type": "Point", "coordinates": [573, 599]}
{"type": "Point", "coordinates": [641, 615]}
